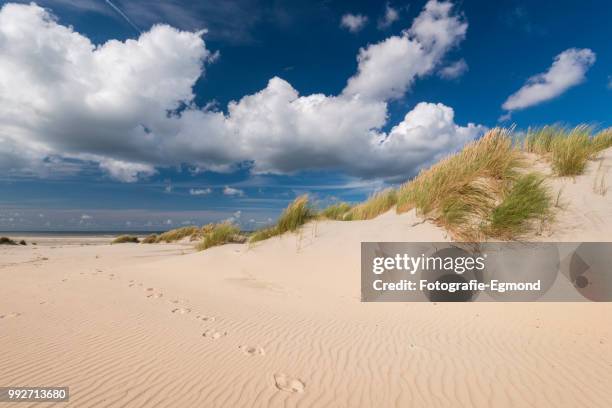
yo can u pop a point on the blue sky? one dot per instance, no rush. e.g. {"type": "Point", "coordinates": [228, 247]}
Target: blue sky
{"type": "Point", "coordinates": [108, 123]}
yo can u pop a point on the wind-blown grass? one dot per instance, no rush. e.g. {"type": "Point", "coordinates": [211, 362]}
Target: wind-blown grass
{"type": "Point", "coordinates": [461, 191]}
{"type": "Point", "coordinates": [177, 234]}
{"type": "Point", "coordinates": [150, 239]}
{"type": "Point", "coordinates": [539, 140]}
{"type": "Point", "coordinates": [568, 150]}
{"type": "Point", "coordinates": [374, 206]}
{"type": "Point", "coordinates": [298, 213]}
{"type": "Point", "coordinates": [527, 200]}
{"type": "Point", "coordinates": [602, 140]}
{"type": "Point", "coordinates": [220, 234]}
{"type": "Point", "coordinates": [336, 211]}
{"type": "Point", "coordinates": [124, 239]}
{"type": "Point", "coordinates": [571, 151]}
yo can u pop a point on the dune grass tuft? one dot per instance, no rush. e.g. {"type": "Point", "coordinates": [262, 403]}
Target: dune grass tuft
{"type": "Point", "coordinates": [540, 139]}
{"type": "Point", "coordinates": [602, 140]}
{"type": "Point", "coordinates": [150, 239]}
{"type": "Point", "coordinates": [124, 239]}
{"type": "Point", "coordinates": [571, 150]}
{"type": "Point", "coordinates": [263, 234]}
{"type": "Point", "coordinates": [527, 200]}
{"type": "Point", "coordinates": [177, 234]}
{"type": "Point", "coordinates": [220, 234]}
{"type": "Point", "coordinates": [379, 203]}
{"type": "Point", "coordinates": [336, 211]}
{"type": "Point", "coordinates": [7, 241]}
{"type": "Point", "coordinates": [298, 213]}
{"type": "Point", "coordinates": [462, 190]}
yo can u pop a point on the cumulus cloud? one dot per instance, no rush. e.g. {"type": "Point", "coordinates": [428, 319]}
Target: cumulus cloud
{"type": "Point", "coordinates": [454, 70]}
{"type": "Point", "coordinates": [391, 16]}
{"type": "Point", "coordinates": [200, 191]}
{"type": "Point", "coordinates": [353, 22]}
{"type": "Point", "coordinates": [229, 191]}
{"type": "Point", "coordinates": [568, 70]}
{"type": "Point", "coordinates": [387, 69]}
{"type": "Point", "coordinates": [129, 106]}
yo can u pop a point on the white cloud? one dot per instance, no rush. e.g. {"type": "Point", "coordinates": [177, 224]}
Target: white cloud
{"type": "Point", "coordinates": [387, 69]}
{"type": "Point", "coordinates": [200, 191]}
{"type": "Point", "coordinates": [86, 217]}
{"type": "Point", "coordinates": [454, 70]}
{"type": "Point", "coordinates": [116, 104]}
{"type": "Point", "coordinates": [353, 22]}
{"type": "Point", "coordinates": [568, 70]}
{"type": "Point", "coordinates": [229, 191]}
{"type": "Point", "coordinates": [391, 16]}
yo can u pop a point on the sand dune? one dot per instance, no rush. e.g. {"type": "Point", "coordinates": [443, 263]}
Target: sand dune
{"type": "Point", "coordinates": [280, 324]}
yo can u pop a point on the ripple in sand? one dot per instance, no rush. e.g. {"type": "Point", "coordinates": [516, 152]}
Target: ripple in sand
{"type": "Point", "coordinates": [289, 384]}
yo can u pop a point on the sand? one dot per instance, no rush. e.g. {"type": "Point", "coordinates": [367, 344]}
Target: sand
{"type": "Point", "coordinates": [280, 323]}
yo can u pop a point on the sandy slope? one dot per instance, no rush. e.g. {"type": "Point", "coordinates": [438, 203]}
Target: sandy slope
{"type": "Point", "coordinates": [280, 324]}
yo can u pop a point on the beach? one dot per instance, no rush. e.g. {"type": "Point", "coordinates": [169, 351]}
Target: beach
{"type": "Point", "coordinates": [280, 323]}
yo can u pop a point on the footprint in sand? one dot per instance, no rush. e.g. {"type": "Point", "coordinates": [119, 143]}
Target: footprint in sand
{"type": "Point", "coordinates": [252, 350]}
{"type": "Point", "coordinates": [155, 295]}
{"type": "Point", "coordinates": [181, 310]}
{"type": "Point", "coordinates": [213, 334]}
{"type": "Point", "coordinates": [206, 318]}
{"type": "Point", "coordinates": [285, 383]}
{"type": "Point", "coordinates": [10, 315]}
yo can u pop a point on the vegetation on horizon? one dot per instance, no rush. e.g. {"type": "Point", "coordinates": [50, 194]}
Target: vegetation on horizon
{"type": "Point", "coordinates": [483, 191]}
{"type": "Point", "coordinates": [7, 241]}
{"type": "Point", "coordinates": [123, 239]}
{"type": "Point", "coordinates": [177, 234]}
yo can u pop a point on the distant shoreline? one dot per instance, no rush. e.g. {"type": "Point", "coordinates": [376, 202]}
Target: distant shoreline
{"type": "Point", "coordinates": [75, 233]}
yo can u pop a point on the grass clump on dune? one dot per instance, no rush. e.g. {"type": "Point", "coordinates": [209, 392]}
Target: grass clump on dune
{"type": "Point", "coordinates": [540, 140]}
{"type": "Point", "coordinates": [462, 190]}
{"type": "Point", "coordinates": [527, 200]}
{"type": "Point", "coordinates": [568, 150]}
{"type": "Point", "coordinates": [336, 211]}
{"type": "Point", "coordinates": [377, 204]}
{"type": "Point", "coordinates": [124, 239]}
{"type": "Point", "coordinates": [263, 234]}
{"type": "Point", "coordinates": [298, 213]}
{"type": "Point", "coordinates": [220, 234]}
{"type": "Point", "coordinates": [571, 150]}
{"type": "Point", "coordinates": [602, 140]}
{"type": "Point", "coordinates": [150, 239]}
{"type": "Point", "coordinates": [7, 241]}
{"type": "Point", "coordinates": [177, 234]}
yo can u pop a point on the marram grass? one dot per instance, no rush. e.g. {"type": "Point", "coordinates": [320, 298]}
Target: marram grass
{"type": "Point", "coordinates": [298, 213]}
{"type": "Point", "coordinates": [177, 234]}
{"type": "Point", "coordinates": [336, 211]}
{"type": "Point", "coordinates": [526, 202]}
{"type": "Point", "coordinates": [460, 191]}
{"type": "Point", "coordinates": [379, 203]}
{"type": "Point", "coordinates": [220, 234]}
{"type": "Point", "coordinates": [123, 239]}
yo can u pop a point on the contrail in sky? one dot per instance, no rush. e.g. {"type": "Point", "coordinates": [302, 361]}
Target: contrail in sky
{"type": "Point", "coordinates": [122, 14]}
